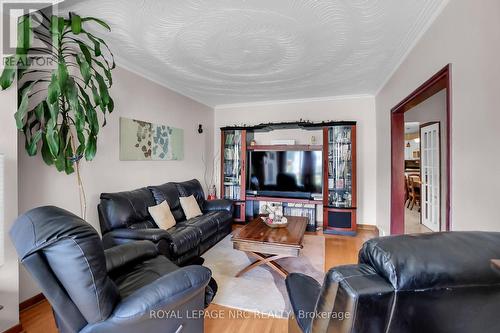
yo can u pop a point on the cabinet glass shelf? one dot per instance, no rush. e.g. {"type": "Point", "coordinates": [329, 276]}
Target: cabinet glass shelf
{"type": "Point", "coordinates": [340, 167]}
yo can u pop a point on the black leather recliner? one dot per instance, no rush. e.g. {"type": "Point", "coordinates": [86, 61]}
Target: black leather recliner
{"type": "Point", "coordinates": [124, 217]}
{"type": "Point", "coordinates": [439, 283]}
{"type": "Point", "coordinates": [129, 288]}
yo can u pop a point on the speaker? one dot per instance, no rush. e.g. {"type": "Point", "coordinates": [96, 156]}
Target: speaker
{"type": "Point", "coordinates": [340, 219]}
{"type": "Point", "coordinates": [341, 222]}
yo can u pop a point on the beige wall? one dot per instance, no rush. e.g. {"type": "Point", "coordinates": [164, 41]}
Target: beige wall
{"type": "Point", "coordinates": [9, 285]}
{"type": "Point", "coordinates": [135, 97]}
{"type": "Point", "coordinates": [360, 109]}
{"type": "Point", "coordinates": [466, 34]}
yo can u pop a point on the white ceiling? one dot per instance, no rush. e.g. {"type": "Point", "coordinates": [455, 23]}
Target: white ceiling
{"type": "Point", "coordinates": [412, 127]}
{"type": "Point", "coordinates": [238, 51]}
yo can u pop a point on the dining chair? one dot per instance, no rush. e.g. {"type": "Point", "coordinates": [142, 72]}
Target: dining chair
{"type": "Point", "coordinates": [414, 191]}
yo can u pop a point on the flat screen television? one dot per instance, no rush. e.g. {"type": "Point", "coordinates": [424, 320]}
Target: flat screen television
{"type": "Point", "coordinates": [294, 174]}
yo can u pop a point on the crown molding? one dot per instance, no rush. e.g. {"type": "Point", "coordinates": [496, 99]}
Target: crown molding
{"type": "Point", "coordinates": [292, 101]}
{"type": "Point", "coordinates": [128, 66]}
{"type": "Point", "coordinates": [413, 38]}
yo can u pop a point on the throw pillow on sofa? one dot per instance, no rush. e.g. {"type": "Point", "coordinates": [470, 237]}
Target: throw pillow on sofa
{"type": "Point", "coordinates": [190, 207]}
{"type": "Point", "coordinates": [162, 215]}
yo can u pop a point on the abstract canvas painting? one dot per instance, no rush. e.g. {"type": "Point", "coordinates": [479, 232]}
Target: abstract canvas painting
{"type": "Point", "coordinates": [140, 140]}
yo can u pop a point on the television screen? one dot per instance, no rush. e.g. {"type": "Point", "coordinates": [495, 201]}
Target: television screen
{"type": "Point", "coordinates": [284, 171]}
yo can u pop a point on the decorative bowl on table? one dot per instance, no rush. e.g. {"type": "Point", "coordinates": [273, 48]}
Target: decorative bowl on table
{"type": "Point", "coordinates": [273, 222]}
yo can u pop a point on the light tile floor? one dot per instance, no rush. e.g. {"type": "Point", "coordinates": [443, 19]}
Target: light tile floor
{"type": "Point", "coordinates": [412, 222]}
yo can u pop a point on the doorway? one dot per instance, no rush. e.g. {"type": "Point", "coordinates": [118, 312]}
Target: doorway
{"type": "Point", "coordinates": [420, 158]}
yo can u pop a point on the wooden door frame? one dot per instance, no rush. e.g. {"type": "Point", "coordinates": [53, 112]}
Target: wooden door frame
{"type": "Point", "coordinates": [441, 80]}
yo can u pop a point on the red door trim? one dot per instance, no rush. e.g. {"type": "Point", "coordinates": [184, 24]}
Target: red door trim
{"type": "Point", "coordinates": [441, 80]}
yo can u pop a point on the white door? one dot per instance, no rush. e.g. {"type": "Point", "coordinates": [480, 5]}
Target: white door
{"type": "Point", "coordinates": [430, 164]}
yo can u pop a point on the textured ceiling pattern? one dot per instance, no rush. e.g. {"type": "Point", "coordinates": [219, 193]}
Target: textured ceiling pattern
{"type": "Point", "coordinates": [237, 51]}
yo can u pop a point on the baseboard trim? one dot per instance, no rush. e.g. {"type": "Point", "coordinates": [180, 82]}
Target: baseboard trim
{"type": "Point", "coordinates": [15, 329]}
{"type": "Point", "coordinates": [31, 301]}
{"type": "Point", "coordinates": [369, 227]}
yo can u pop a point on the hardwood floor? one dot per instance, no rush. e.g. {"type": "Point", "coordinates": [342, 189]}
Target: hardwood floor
{"type": "Point", "coordinates": [339, 250]}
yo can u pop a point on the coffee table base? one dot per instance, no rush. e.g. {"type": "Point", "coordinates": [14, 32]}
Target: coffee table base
{"type": "Point", "coordinates": [263, 259]}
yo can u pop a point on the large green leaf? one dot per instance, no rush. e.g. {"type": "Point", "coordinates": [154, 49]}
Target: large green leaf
{"type": "Point", "coordinates": [101, 22]}
{"type": "Point", "coordinates": [84, 68]}
{"type": "Point", "coordinates": [54, 110]}
{"type": "Point", "coordinates": [54, 26]}
{"type": "Point", "coordinates": [96, 41]}
{"type": "Point", "coordinates": [46, 154]}
{"type": "Point", "coordinates": [62, 75]}
{"type": "Point", "coordinates": [91, 148]}
{"type": "Point", "coordinates": [76, 23]}
{"type": "Point", "coordinates": [69, 155]}
{"type": "Point", "coordinates": [60, 161]}
{"type": "Point", "coordinates": [24, 32]}
{"type": "Point", "coordinates": [39, 111]}
{"type": "Point", "coordinates": [92, 119]}
{"type": "Point", "coordinates": [102, 42]}
{"type": "Point", "coordinates": [111, 105]}
{"type": "Point", "coordinates": [80, 130]}
{"type": "Point", "coordinates": [53, 90]}
{"type": "Point", "coordinates": [52, 136]}
{"type": "Point", "coordinates": [32, 144]}
{"type": "Point", "coordinates": [103, 89]}
{"type": "Point", "coordinates": [55, 32]}
{"type": "Point", "coordinates": [106, 70]}
{"type": "Point", "coordinates": [86, 52]}
{"type": "Point", "coordinates": [72, 94]}
{"type": "Point", "coordinates": [80, 119]}
{"type": "Point", "coordinates": [8, 73]}
{"type": "Point", "coordinates": [57, 25]}
{"type": "Point", "coordinates": [23, 105]}
{"type": "Point", "coordinates": [95, 95]}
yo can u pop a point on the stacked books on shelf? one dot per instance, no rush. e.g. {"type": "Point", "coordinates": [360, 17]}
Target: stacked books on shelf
{"type": "Point", "coordinates": [301, 209]}
{"type": "Point", "coordinates": [233, 139]}
{"type": "Point", "coordinates": [232, 192]}
{"type": "Point", "coordinates": [292, 209]}
{"type": "Point", "coordinates": [232, 165]}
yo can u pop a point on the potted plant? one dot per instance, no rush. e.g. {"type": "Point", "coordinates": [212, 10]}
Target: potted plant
{"type": "Point", "coordinates": [58, 106]}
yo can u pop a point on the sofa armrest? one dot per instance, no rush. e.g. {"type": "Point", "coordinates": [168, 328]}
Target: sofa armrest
{"type": "Point", "coordinates": [157, 301]}
{"type": "Point", "coordinates": [354, 292]}
{"type": "Point", "coordinates": [219, 204]}
{"type": "Point", "coordinates": [303, 292]}
{"type": "Point", "coordinates": [121, 255]}
{"type": "Point", "coordinates": [152, 234]}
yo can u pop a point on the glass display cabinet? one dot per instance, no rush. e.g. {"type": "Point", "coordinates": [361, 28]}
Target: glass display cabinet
{"type": "Point", "coordinates": [339, 193]}
{"type": "Point", "coordinates": [233, 160]}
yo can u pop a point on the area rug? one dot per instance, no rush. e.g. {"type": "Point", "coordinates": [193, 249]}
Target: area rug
{"type": "Point", "coordinates": [261, 290]}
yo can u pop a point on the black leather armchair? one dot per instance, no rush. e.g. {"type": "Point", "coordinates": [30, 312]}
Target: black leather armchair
{"type": "Point", "coordinates": [440, 283]}
{"type": "Point", "coordinates": [128, 288]}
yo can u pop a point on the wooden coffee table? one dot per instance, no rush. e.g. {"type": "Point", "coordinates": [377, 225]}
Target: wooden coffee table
{"type": "Point", "coordinates": [270, 244]}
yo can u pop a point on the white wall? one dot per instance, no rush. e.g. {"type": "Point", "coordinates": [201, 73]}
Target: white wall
{"type": "Point", "coordinates": [360, 109]}
{"type": "Point", "coordinates": [9, 286]}
{"type": "Point", "coordinates": [466, 34]}
{"type": "Point", "coordinates": [414, 146]}
{"type": "Point", "coordinates": [138, 98]}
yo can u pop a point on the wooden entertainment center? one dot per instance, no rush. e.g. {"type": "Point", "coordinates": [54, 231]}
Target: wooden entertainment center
{"type": "Point", "coordinates": [338, 200]}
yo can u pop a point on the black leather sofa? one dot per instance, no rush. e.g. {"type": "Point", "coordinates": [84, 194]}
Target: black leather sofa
{"type": "Point", "coordinates": [124, 217]}
{"type": "Point", "coordinates": [129, 288]}
{"type": "Point", "coordinates": [440, 283]}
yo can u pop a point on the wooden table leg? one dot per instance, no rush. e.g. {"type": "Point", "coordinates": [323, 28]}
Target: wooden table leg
{"type": "Point", "coordinates": [265, 260]}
